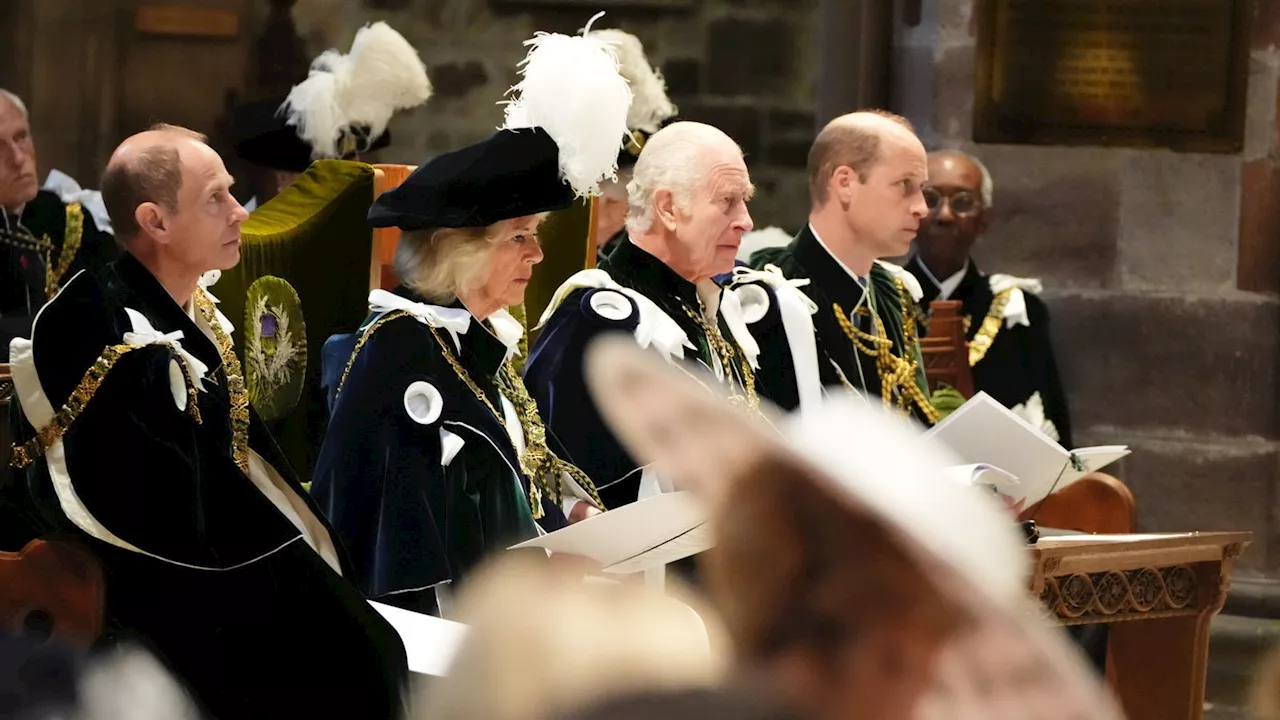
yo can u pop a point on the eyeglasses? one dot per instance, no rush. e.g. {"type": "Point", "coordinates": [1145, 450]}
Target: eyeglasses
{"type": "Point", "coordinates": [962, 203]}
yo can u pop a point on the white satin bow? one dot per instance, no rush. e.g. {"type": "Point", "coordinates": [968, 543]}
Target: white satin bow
{"type": "Point", "coordinates": [796, 309]}
{"type": "Point", "coordinates": [772, 274]}
{"type": "Point", "coordinates": [454, 320]}
{"type": "Point", "coordinates": [144, 334]}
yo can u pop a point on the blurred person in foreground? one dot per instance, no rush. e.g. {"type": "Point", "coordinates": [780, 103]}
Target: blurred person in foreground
{"type": "Point", "coordinates": [859, 582]}
{"type": "Point", "coordinates": [43, 680]}
{"type": "Point", "coordinates": [721, 703]}
{"type": "Point", "coordinates": [541, 642]}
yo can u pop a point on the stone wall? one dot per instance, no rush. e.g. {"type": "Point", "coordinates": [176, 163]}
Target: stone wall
{"type": "Point", "coordinates": [743, 65]}
{"type": "Point", "coordinates": [1161, 277]}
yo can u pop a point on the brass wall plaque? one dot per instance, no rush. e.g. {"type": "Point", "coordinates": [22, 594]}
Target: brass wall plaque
{"type": "Point", "coordinates": [1161, 73]}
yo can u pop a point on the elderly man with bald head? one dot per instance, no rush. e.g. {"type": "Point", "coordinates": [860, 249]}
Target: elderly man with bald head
{"type": "Point", "coordinates": [687, 211]}
{"type": "Point", "coordinates": [140, 443]}
{"type": "Point", "coordinates": [46, 235]}
{"type": "Point", "coordinates": [867, 171]}
{"type": "Point", "coordinates": [1010, 349]}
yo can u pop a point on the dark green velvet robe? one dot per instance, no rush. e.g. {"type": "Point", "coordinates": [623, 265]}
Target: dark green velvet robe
{"type": "Point", "coordinates": [839, 362]}
{"type": "Point", "coordinates": [22, 270]}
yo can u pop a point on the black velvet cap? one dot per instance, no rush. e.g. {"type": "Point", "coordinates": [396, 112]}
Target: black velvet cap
{"type": "Point", "coordinates": [510, 174]}
{"type": "Point", "coordinates": [262, 137]}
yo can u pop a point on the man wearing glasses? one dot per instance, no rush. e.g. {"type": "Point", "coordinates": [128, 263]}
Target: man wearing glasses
{"type": "Point", "coordinates": [1010, 349]}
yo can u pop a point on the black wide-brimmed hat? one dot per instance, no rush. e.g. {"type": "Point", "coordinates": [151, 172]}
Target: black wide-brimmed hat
{"type": "Point", "coordinates": [510, 174]}
{"type": "Point", "coordinates": [262, 137]}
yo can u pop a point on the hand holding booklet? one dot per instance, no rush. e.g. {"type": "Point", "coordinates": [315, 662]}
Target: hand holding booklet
{"type": "Point", "coordinates": [646, 534]}
{"type": "Point", "coordinates": [986, 433]}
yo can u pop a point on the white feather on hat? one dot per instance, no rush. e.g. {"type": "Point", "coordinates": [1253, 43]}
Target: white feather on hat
{"type": "Point", "coordinates": [650, 105]}
{"type": "Point", "coordinates": [571, 88]}
{"type": "Point", "coordinates": [381, 74]}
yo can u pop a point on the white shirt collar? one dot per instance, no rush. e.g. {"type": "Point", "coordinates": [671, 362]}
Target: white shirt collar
{"type": "Point", "coordinates": [948, 286]}
{"type": "Point", "coordinates": [860, 280]}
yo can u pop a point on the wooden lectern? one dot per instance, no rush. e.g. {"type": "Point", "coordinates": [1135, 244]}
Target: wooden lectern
{"type": "Point", "coordinates": [945, 351]}
{"type": "Point", "coordinates": [1158, 593]}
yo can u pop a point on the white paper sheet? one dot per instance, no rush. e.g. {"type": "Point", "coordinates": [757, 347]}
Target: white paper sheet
{"type": "Point", "coordinates": [983, 431]}
{"type": "Point", "coordinates": [982, 474]}
{"type": "Point", "coordinates": [646, 534]}
{"type": "Point", "coordinates": [429, 642]}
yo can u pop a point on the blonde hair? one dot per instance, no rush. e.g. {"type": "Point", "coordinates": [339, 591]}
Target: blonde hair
{"type": "Point", "coordinates": [542, 642]}
{"type": "Point", "coordinates": [442, 263]}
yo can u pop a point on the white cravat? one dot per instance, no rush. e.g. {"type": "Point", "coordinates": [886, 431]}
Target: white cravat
{"type": "Point", "coordinates": [948, 286]}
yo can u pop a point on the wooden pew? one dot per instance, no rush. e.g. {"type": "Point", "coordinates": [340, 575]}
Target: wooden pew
{"type": "Point", "coordinates": [50, 588]}
{"type": "Point", "coordinates": [381, 269]}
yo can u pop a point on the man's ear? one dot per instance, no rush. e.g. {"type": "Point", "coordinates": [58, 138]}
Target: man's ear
{"type": "Point", "coordinates": [844, 184]}
{"type": "Point", "coordinates": [664, 208]}
{"type": "Point", "coordinates": [151, 220]}
{"type": "Point", "coordinates": [980, 225]}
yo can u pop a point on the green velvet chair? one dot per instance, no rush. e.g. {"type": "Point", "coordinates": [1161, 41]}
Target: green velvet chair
{"type": "Point", "coordinates": [568, 247]}
{"type": "Point", "coordinates": [313, 236]}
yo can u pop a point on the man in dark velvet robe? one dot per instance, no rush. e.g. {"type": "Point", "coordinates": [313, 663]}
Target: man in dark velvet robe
{"type": "Point", "coordinates": [44, 239]}
{"type": "Point", "coordinates": [657, 285]}
{"type": "Point", "coordinates": [866, 171]}
{"type": "Point", "coordinates": [1010, 349]}
{"type": "Point", "coordinates": [138, 442]}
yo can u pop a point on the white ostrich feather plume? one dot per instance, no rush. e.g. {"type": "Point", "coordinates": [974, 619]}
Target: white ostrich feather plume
{"type": "Point", "coordinates": [381, 74]}
{"type": "Point", "coordinates": [571, 88]}
{"type": "Point", "coordinates": [650, 105]}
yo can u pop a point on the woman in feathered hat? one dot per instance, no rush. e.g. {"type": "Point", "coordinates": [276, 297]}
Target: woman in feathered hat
{"type": "Point", "coordinates": [435, 454]}
{"type": "Point", "coordinates": [857, 583]}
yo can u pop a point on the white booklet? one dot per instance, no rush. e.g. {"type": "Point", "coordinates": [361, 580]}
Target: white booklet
{"type": "Point", "coordinates": [985, 432]}
{"type": "Point", "coordinates": [429, 642]}
{"type": "Point", "coordinates": [983, 474]}
{"type": "Point", "coordinates": [646, 534]}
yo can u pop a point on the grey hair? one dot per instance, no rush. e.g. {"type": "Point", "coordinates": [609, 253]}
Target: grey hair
{"type": "Point", "coordinates": [677, 167]}
{"type": "Point", "coordinates": [16, 102]}
{"type": "Point", "coordinates": [987, 187]}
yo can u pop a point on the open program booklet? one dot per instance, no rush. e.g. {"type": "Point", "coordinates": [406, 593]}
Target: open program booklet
{"type": "Point", "coordinates": [644, 535]}
{"type": "Point", "coordinates": [985, 433]}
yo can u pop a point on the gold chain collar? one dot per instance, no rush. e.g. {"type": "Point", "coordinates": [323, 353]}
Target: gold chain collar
{"type": "Point", "coordinates": [537, 462]}
{"type": "Point", "coordinates": [726, 352]}
{"type": "Point", "coordinates": [239, 394]}
{"type": "Point", "coordinates": [991, 324]}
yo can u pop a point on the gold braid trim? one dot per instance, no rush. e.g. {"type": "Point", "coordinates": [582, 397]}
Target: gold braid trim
{"type": "Point", "coordinates": [25, 454]}
{"type": "Point", "coordinates": [70, 246]}
{"type": "Point", "coordinates": [727, 354]}
{"type": "Point", "coordinates": [897, 374]}
{"type": "Point", "coordinates": [991, 325]}
{"type": "Point", "coordinates": [236, 389]}
{"type": "Point", "coordinates": [537, 462]}
{"type": "Point", "coordinates": [364, 337]}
